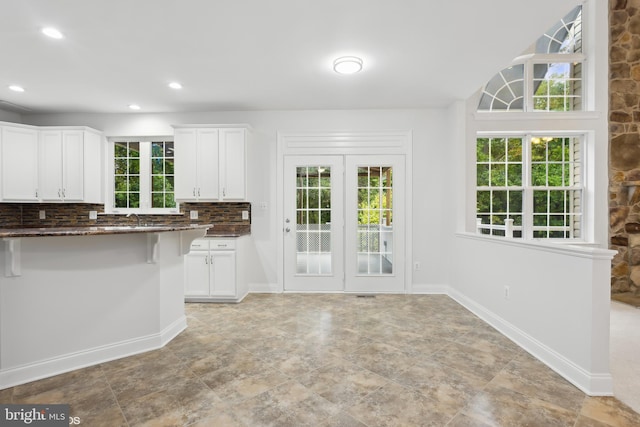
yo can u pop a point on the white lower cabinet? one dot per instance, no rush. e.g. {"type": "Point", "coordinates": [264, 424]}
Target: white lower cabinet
{"type": "Point", "coordinates": [211, 271]}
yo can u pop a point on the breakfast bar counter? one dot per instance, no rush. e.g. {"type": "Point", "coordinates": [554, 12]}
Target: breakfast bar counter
{"type": "Point", "coordinates": [71, 298]}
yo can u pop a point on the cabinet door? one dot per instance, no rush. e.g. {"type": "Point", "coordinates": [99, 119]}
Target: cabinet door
{"type": "Point", "coordinates": [196, 274]}
{"type": "Point", "coordinates": [50, 165]}
{"type": "Point", "coordinates": [73, 165]}
{"type": "Point", "coordinates": [185, 161]}
{"type": "Point", "coordinates": [223, 273]}
{"type": "Point", "coordinates": [19, 164]}
{"type": "Point", "coordinates": [93, 168]}
{"type": "Point", "coordinates": [207, 164]}
{"type": "Point", "coordinates": [233, 164]}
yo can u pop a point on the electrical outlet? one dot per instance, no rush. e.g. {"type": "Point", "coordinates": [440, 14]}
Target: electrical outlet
{"type": "Point", "coordinates": [93, 214]}
{"type": "Point", "coordinates": [193, 214]}
{"type": "Point", "coordinates": [506, 292]}
{"type": "Point", "coordinates": [416, 266]}
{"type": "Point", "coordinates": [245, 214]}
{"type": "Point", "coordinates": [43, 214]}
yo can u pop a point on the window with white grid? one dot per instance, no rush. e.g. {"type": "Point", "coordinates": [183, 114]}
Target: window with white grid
{"type": "Point", "coordinates": [313, 220]}
{"type": "Point", "coordinates": [548, 79]}
{"type": "Point", "coordinates": [529, 186]}
{"type": "Point", "coordinates": [142, 176]}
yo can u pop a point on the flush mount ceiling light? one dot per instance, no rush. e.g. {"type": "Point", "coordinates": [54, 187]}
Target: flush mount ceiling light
{"type": "Point", "coordinates": [52, 32]}
{"type": "Point", "coordinates": [347, 65]}
{"type": "Point", "coordinates": [16, 88]}
{"type": "Point", "coordinates": [175, 85]}
{"type": "Point", "coordinates": [134, 106]}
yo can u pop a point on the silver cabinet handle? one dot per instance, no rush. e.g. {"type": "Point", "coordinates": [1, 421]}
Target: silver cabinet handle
{"type": "Point", "coordinates": [194, 191]}
{"type": "Point", "coordinates": [287, 229]}
{"type": "Point", "coordinates": [198, 191]}
{"type": "Point", "coordinates": [59, 195]}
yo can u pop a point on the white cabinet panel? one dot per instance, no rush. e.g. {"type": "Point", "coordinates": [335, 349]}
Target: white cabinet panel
{"type": "Point", "coordinates": [93, 168]}
{"type": "Point", "coordinates": [223, 280]}
{"type": "Point", "coordinates": [19, 163]}
{"type": "Point", "coordinates": [211, 271]}
{"type": "Point", "coordinates": [186, 154]}
{"type": "Point", "coordinates": [233, 164]}
{"type": "Point", "coordinates": [197, 280]}
{"type": "Point", "coordinates": [73, 165]}
{"type": "Point", "coordinates": [207, 164]}
{"type": "Point", "coordinates": [50, 165]}
{"type": "Point", "coordinates": [61, 165]}
{"type": "Point", "coordinates": [210, 163]}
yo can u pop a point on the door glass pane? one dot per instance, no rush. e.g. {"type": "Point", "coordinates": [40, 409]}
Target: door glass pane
{"type": "Point", "coordinates": [375, 220]}
{"type": "Point", "coordinates": [313, 220]}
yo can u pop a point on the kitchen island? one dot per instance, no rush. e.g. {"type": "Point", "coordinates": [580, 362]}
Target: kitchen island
{"type": "Point", "coordinates": [75, 297]}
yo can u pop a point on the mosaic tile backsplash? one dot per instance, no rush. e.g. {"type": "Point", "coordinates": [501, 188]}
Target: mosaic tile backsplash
{"type": "Point", "coordinates": [224, 215]}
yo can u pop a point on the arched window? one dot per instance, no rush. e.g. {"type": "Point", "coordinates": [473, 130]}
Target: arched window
{"type": "Point", "coordinates": [551, 79]}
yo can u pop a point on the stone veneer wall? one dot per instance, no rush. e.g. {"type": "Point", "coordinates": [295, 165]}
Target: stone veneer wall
{"type": "Point", "coordinates": [224, 215]}
{"type": "Point", "coordinates": [624, 146]}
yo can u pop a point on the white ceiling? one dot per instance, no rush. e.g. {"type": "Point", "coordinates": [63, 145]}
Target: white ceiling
{"type": "Point", "coordinates": [259, 54]}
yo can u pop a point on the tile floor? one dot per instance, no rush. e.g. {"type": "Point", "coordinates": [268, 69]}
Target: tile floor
{"type": "Point", "coordinates": [328, 360]}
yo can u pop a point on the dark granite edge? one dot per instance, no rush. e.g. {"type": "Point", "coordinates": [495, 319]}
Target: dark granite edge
{"type": "Point", "coordinates": [95, 231]}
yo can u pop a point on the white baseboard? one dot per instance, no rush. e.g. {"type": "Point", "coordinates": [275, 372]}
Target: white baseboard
{"type": "Point", "coordinates": [264, 288]}
{"type": "Point", "coordinates": [422, 288]}
{"type": "Point", "coordinates": [593, 384]}
{"type": "Point", "coordinates": [72, 361]}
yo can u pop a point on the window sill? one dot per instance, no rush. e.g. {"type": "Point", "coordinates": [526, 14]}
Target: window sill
{"type": "Point", "coordinates": [141, 212]}
{"type": "Point", "coordinates": [567, 247]}
{"type": "Point", "coordinates": [531, 115]}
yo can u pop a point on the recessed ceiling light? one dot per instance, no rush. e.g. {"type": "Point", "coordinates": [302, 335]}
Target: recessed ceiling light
{"type": "Point", "coordinates": [16, 88]}
{"type": "Point", "coordinates": [175, 85]}
{"type": "Point", "coordinates": [134, 106]}
{"type": "Point", "coordinates": [347, 65]}
{"type": "Point", "coordinates": [52, 32]}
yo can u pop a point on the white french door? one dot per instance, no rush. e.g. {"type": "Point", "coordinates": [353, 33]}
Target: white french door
{"type": "Point", "coordinates": [344, 223]}
{"type": "Point", "coordinates": [313, 223]}
{"type": "Point", "coordinates": [374, 218]}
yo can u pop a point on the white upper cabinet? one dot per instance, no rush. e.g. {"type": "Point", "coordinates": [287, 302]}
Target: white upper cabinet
{"type": "Point", "coordinates": [210, 163]}
{"type": "Point", "coordinates": [19, 164]}
{"type": "Point", "coordinates": [61, 165]}
{"type": "Point", "coordinates": [233, 172]}
{"type": "Point", "coordinates": [51, 164]}
{"type": "Point", "coordinates": [70, 165]}
{"type": "Point", "coordinates": [196, 164]}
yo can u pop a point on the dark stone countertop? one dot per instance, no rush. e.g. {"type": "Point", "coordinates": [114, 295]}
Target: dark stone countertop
{"type": "Point", "coordinates": [98, 230]}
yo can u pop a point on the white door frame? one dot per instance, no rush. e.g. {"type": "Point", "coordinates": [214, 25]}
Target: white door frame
{"type": "Point", "coordinates": [346, 143]}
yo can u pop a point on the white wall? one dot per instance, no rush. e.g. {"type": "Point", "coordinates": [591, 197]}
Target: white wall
{"type": "Point", "coordinates": [557, 306]}
{"type": "Point", "coordinates": [432, 165]}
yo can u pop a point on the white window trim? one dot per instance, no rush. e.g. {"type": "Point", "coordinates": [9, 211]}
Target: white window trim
{"type": "Point", "coordinates": [586, 226]}
{"type": "Point", "coordinates": [145, 177]}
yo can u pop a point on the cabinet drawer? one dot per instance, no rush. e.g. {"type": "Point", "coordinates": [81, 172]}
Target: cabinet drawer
{"type": "Point", "coordinates": [200, 245]}
{"type": "Point", "coordinates": [221, 245]}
